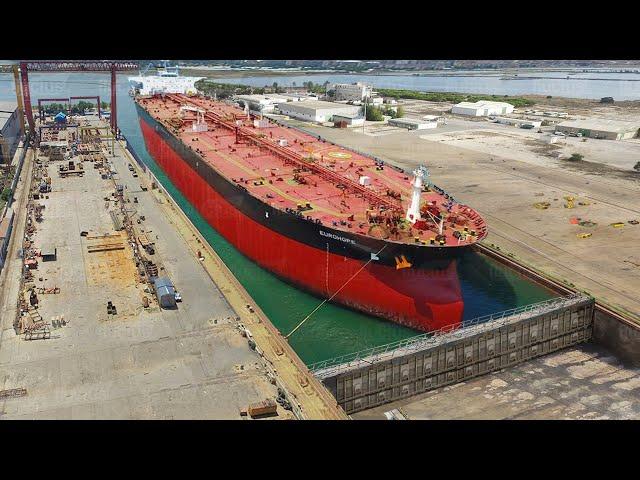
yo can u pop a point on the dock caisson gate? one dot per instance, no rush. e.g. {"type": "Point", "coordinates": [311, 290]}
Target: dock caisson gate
{"type": "Point", "coordinates": [460, 355]}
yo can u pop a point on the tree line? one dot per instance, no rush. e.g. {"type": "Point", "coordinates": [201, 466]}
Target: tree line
{"type": "Point", "coordinates": [76, 109]}
{"type": "Point", "coordinates": [452, 97]}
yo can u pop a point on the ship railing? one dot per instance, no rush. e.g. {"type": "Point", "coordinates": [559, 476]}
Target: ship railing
{"type": "Point", "coordinates": [332, 366]}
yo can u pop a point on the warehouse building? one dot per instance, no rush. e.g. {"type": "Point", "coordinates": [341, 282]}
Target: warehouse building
{"type": "Point", "coordinates": [267, 103]}
{"type": "Point", "coordinates": [351, 91]}
{"type": "Point", "coordinates": [344, 120]}
{"type": "Point", "coordinates": [259, 103]}
{"type": "Point", "coordinates": [482, 108]}
{"type": "Point", "coordinates": [9, 131]}
{"type": "Point", "coordinates": [413, 123]}
{"type": "Point", "coordinates": [317, 111]}
{"type": "Point", "coordinates": [600, 128]}
{"type": "Point", "coordinates": [519, 122]}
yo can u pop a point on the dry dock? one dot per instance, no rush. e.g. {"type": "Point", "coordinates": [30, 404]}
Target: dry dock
{"type": "Point", "coordinates": [142, 362]}
{"type": "Point", "coordinates": [583, 382]}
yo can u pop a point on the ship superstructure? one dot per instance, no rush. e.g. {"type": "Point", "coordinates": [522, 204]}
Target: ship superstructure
{"type": "Point", "coordinates": [166, 80]}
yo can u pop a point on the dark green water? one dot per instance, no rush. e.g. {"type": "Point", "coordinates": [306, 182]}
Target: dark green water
{"type": "Point", "coordinates": [487, 286]}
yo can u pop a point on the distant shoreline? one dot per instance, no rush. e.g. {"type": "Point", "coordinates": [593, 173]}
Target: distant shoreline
{"type": "Point", "coordinates": [515, 74]}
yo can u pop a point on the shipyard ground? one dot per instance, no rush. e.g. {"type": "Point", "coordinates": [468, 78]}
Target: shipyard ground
{"type": "Point", "coordinates": [163, 365]}
{"type": "Point", "coordinates": [504, 190]}
{"type": "Point", "coordinates": [187, 363]}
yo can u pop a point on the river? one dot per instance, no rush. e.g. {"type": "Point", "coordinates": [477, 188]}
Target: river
{"type": "Point", "coordinates": [592, 85]}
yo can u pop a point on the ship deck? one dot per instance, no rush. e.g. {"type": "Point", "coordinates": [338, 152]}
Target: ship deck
{"type": "Point", "coordinates": [286, 185]}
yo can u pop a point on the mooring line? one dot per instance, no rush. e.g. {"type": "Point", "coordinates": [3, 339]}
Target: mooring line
{"type": "Point", "coordinates": [336, 293]}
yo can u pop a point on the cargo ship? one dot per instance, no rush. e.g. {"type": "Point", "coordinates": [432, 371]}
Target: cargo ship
{"type": "Point", "coordinates": [345, 226]}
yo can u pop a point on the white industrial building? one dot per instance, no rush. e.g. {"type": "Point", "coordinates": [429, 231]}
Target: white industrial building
{"type": "Point", "coordinates": [267, 103]}
{"type": "Point", "coordinates": [344, 120]}
{"type": "Point", "coordinates": [317, 111]}
{"type": "Point", "coordinates": [482, 108]}
{"type": "Point", "coordinates": [600, 128]}
{"type": "Point", "coordinates": [413, 123]}
{"type": "Point", "coordinates": [351, 91]}
{"type": "Point", "coordinates": [519, 122]}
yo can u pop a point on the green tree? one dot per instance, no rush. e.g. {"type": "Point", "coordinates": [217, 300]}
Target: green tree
{"type": "Point", "coordinates": [5, 195]}
{"type": "Point", "coordinates": [576, 157]}
{"type": "Point", "coordinates": [399, 112]}
{"type": "Point", "coordinates": [449, 96]}
{"type": "Point", "coordinates": [637, 167]}
{"type": "Point", "coordinates": [81, 107]}
{"type": "Point", "coordinates": [374, 114]}
{"type": "Point", "coordinates": [53, 108]}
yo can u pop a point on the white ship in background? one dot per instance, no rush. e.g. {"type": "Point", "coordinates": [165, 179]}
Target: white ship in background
{"type": "Point", "coordinates": [166, 80]}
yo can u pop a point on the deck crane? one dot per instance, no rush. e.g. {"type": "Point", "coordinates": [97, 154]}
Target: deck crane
{"type": "Point", "coordinates": [199, 125]}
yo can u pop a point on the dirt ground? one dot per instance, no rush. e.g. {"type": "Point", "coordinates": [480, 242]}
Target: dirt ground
{"type": "Point", "coordinates": [533, 147]}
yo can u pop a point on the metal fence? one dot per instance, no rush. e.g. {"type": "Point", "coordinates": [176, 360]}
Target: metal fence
{"type": "Point", "coordinates": [435, 337]}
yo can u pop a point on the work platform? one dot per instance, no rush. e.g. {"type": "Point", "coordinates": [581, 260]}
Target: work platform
{"type": "Point", "coordinates": [399, 370]}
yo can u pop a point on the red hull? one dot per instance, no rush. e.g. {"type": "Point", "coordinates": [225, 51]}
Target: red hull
{"type": "Point", "coordinates": [418, 298]}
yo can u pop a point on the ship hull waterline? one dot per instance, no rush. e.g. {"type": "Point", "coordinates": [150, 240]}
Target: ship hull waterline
{"type": "Point", "coordinates": [426, 296]}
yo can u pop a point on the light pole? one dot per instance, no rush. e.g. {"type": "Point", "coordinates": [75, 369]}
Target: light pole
{"type": "Point", "coordinates": [366, 99]}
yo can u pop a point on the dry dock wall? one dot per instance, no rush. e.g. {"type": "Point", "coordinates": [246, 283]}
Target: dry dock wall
{"type": "Point", "coordinates": [618, 335]}
{"type": "Point", "coordinates": [617, 332]}
{"type": "Point", "coordinates": [460, 355]}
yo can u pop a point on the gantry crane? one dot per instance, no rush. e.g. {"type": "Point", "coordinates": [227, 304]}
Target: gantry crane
{"type": "Point", "coordinates": [73, 66]}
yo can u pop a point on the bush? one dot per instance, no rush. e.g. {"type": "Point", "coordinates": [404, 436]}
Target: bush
{"type": "Point", "coordinates": [576, 157]}
{"type": "Point", "coordinates": [374, 114]}
{"type": "Point", "coordinates": [636, 167]}
{"type": "Point", "coordinates": [5, 195]}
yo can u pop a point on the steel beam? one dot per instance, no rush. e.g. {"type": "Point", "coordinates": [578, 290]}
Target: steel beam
{"type": "Point", "coordinates": [27, 96]}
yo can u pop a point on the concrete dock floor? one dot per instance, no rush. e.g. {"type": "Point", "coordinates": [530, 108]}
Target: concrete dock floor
{"type": "Point", "coordinates": [581, 383]}
{"type": "Point", "coordinates": [188, 363]}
